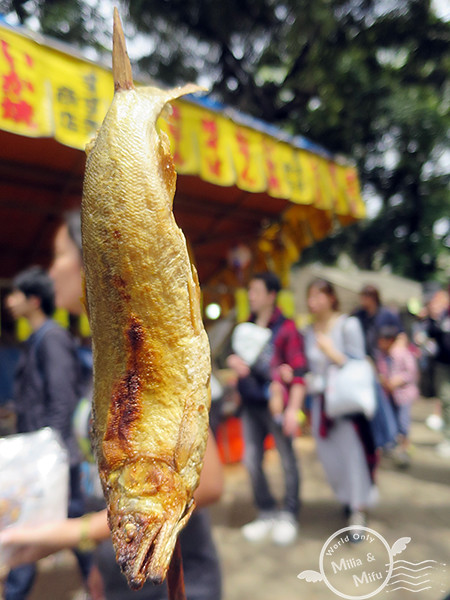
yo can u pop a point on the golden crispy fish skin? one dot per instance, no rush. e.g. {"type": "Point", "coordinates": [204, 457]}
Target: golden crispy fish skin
{"type": "Point", "coordinates": [151, 352]}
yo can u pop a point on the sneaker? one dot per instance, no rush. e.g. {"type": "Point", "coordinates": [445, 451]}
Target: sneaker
{"type": "Point", "coordinates": [443, 449]}
{"type": "Point", "coordinates": [285, 529]}
{"type": "Point", "coordinates": [402, 459]}
{"type": "Point", "coordinates": [356, 520]}
{"type": "Point", "coordinates": [259, 529]}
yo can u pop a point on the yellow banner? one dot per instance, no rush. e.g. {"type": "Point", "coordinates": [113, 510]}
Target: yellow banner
{"type": "Point", "coordinates": [246, 149]}
{"type": "Point", "coordinates": [215, 157]}
{"type": "Point", "coordinates": [81, 95]}
{"type": "Point", "coordinates": [181, 126]}
{"type": "Point", "coordinates": [25, 106]}
{"type": "Point", "coordinates": [349, 184]}
{"type": "Point", "coordinates": [277, 156]}
{"type": "Point", "coordinates": [48, 93]}
{"type": "Point", "coordinates": [309, 190]}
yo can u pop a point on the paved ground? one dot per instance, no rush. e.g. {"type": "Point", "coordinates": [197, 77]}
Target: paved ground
{"type": "Point", "coordinates": [415, 504]}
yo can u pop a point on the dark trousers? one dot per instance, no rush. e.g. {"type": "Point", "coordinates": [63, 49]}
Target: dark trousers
{"type": "Point", "coordinates": [257, 424]}
{"type": "Point", "coordinates": [20, 580]}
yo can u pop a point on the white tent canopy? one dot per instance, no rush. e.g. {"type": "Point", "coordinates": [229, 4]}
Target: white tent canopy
{"type": "Point", "coordinates": [396, 292]}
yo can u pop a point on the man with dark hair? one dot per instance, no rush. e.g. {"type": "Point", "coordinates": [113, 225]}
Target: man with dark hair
{"type": "Point", "coordinates": [373, 315]}
{"type": "Point", "coordinates": [253, 385]}
{"type": "Point", "coordinates": [45, 390]}
{"type": "Point", "coordinates": [46, 387]}
{"type": "Point", "coordinates": [270, 280]}
{"type": "Point", "coordinates": [34, 282]}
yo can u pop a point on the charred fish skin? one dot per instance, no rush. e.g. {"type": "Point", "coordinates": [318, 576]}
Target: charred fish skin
{"type": "Point", "coordinates": [151, 352]}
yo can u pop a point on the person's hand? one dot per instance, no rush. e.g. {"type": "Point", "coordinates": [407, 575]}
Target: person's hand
{"type": "Point", "coordinates": [238, 365]}
{"type": "Point", "coordinates": [290, 422]}
{"type": "Point", "coordinates": [21, 546]}
{"type": "Point", "coordinates": [385, 383]}
{"type": "Point", "coordinates": [325, 344]}
{"type": "Point", "coordinates": [286, 373]}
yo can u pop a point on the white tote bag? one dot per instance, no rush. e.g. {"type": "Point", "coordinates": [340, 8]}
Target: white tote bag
{"type": "Point", "coordinates": [350, 389]}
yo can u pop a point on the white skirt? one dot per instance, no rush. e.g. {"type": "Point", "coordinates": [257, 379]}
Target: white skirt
{"type": "Point", "coordinates": [343, 458]}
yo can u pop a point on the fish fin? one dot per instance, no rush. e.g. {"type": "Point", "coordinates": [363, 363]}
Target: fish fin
{"type": "Point", "coordinates": [184, 90]}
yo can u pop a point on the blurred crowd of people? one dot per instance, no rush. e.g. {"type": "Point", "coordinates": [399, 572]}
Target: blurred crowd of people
{"type": "Point", "coordinates": [274, 396]}
{"type": "Point", "coordinates": [278, 373]}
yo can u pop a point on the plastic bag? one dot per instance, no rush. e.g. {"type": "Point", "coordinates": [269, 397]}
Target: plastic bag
{"type": "Point", "coordinates": [34, 479]}
{"type": "Point", "coordinates": [248, 341]}
{"type": "Point", "coordinates": [350, 389]}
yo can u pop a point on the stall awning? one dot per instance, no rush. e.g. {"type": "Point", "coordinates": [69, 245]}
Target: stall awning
{"type": "Point", "coordinates": [240, 181]}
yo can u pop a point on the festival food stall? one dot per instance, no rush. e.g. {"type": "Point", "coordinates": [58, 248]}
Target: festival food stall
{"type": "Point", "coordinates": [249, 196]}
{"type": "Point", "coordinates": [240, 183]}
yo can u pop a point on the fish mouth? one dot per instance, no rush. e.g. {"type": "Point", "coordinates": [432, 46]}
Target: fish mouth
{"type": "Point", "coordinates": [139, 570]}
{"type": "Point", "coordinates": [144, 546]}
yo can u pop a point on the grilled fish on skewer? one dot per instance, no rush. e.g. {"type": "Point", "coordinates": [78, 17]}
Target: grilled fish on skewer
{"type": "Point", "coordinates": [151, 353]}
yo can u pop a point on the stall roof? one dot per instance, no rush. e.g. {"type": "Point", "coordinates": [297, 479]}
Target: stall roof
{"type": "Point", "coordinates": [241, 182]}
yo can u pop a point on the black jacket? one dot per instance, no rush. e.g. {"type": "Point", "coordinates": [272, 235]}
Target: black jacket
{"type": "Point", "coordinates": [254, 389]}
{"type": "Point", "coordinates": [439, 330]}
{"type": "Point", "coordinates": [46, 388]}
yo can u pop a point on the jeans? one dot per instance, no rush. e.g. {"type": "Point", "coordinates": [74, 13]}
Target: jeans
{"type": "Point", "coordinates": [403, 418]}
{"type": "Point", "coordinates": [19, 582]}
{"type": "Point", "coordinates": [383, 425]}
{"type": "Point", "coordinates": [257, 423]}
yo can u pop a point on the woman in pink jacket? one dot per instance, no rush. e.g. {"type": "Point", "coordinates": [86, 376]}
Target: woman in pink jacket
{"type": "Point", "coordinates": [398, 372]}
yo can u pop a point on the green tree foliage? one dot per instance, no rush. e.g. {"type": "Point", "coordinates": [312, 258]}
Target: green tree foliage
{"type": "Point", "coordinates": [365, 78]}
{"type": "Point", "coordinates": [72, 21]}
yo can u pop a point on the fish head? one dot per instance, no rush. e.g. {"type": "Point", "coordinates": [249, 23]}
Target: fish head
{"type": "Point", "coordinates": [148, 505]}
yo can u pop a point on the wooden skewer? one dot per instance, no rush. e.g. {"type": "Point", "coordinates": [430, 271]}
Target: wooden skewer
{"type": "Point", "coordinates": [175, 575]}
{"type": "Point", "coordinates": [121, 66]}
